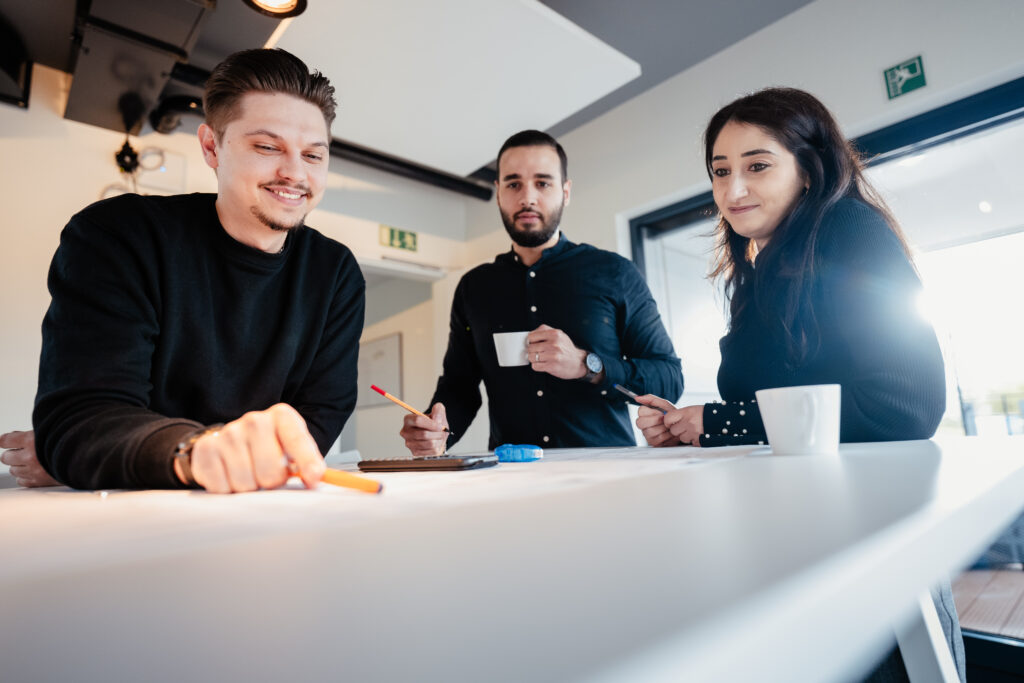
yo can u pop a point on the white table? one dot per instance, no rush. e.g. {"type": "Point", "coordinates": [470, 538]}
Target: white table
{"type": "Point", "coordinates": [623, 565]}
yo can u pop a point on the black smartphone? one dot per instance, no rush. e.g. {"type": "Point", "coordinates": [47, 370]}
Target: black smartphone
{"type": "Point", "coordinates": [432, 462]}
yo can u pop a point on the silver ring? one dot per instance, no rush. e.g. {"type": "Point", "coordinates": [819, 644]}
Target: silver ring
{"type": "Point", "coordinates": [536, 357]}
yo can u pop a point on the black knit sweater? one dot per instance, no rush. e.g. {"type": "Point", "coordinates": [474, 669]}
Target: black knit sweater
{"type": "Point", "coordinates": [872, 341]}
{"type": "Point", "coordinates": [161, 322]}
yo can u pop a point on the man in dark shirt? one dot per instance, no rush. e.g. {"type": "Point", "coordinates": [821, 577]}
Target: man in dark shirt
{"type": "Point", "coordinates": [591, 320]}
{"type": "Point", "coordinates": [172, 314]}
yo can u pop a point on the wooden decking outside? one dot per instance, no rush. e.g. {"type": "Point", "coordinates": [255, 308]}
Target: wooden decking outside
{"type": "Point", "coordinates": [991, 601]}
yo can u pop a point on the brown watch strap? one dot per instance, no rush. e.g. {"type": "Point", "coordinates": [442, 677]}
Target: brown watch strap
{"type": "Point", "coordinates": [183, 451]}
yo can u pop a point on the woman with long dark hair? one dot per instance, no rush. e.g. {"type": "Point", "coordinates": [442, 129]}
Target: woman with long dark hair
{"type": "Point", "coordinates": [821, 290]}
{"type": "Point", "coordinates": [819, 280]}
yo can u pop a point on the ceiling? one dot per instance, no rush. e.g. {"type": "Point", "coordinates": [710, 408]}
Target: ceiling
{"type": "Point", "coordinates": [438, 84]}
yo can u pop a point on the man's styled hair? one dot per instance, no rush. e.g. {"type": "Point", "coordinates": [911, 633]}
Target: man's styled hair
{"type": "Point", "coordinates": [263, 71]}
{"type": "Point", "coordinates": [535, 138]}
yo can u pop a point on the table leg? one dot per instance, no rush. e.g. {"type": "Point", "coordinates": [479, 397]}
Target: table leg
{"type": "Point", "coordinates": [924, 647]}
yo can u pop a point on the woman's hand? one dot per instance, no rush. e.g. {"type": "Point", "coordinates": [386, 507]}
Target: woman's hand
{"type": "Point", "coordinates": [651, 420]}
{"type": "Point", "coordinates": [686, 424]}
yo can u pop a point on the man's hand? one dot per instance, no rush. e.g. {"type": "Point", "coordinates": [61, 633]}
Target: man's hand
{"type": "Point", "coordinates": [21, 456]}
{"type": "Point", "coordinates": [426, 436]}
{"type": "Point", "coordinates": [551, 351]}
{"type": "Point", "coordinates": [255, 452]}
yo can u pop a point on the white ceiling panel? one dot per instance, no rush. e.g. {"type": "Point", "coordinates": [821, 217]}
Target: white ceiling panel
{"type": "Point", "coordinates": [472, 72]}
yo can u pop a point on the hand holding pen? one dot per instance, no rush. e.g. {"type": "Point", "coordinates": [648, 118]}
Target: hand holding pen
{"type": "Point", "coordinates": [659, 420]}
{"type": "Point", "coordinates": [424, 434]}
{"type": "Point", "coordinates": [636, 398]}
{"type": "Point", "coordinates": [665, 425]}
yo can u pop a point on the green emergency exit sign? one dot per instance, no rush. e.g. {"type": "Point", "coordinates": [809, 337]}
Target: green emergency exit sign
{"type": "Point", "coordinates": [399, 239]}
{"type": "Point", "coordinates": [904, 77]}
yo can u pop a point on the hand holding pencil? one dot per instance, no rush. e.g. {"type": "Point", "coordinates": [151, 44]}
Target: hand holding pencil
{"type": "Point", "coordinates": [424, 435]}
{"type": "Point", "coordinates": [402, 403]}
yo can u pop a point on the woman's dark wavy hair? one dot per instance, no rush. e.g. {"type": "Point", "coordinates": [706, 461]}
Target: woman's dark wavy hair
{"type": "Point", "coordinates": [779, 290]}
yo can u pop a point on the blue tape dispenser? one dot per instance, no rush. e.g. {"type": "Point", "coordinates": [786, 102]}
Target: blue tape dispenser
{"type": "Point", "coordinates": [508, 452]}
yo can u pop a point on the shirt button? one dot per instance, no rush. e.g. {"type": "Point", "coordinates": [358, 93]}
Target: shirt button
{"type": "Point", "coordinates": [540, 392]}
{"type": "Point", "coordinates": [546, 439]}
{"type": "Point", "coordinates": [533, 309]}
{"type": "Point", "coordinates": [604, 392]}
{"type": "Point", "coordinates": [533, 274]}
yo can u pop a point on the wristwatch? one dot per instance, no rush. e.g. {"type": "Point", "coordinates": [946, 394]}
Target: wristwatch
{"type": "Point", "coordinates": [183, 451]}
{"type": "Point", "coordinates": [594, 366]}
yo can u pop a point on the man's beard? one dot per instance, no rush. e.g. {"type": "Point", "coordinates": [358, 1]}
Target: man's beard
{"type": "Point", "coordinates": [274, 225]}
{"type": "Point", "coordinates": [537, 236]}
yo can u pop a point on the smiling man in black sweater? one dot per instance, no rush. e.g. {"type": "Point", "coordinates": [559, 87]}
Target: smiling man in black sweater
{"type": "Point", "coordinates": [172, 315]}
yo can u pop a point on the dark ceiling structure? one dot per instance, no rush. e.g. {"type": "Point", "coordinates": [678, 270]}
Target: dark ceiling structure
{"type": "Point", "coordinates": [140, 65]}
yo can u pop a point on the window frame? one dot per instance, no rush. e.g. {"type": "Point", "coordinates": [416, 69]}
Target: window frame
{"type": "Point", "coordinates": [972, 114]}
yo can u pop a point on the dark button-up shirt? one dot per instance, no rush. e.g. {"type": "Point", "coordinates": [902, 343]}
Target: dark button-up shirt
{"type": "Point", "coordinates": [601, 302]}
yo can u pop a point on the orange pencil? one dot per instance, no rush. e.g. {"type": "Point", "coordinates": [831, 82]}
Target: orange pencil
{"type": "Point", "coordinates": [345, 479]}
{"type": "Point", "coordinates": [351, 481]}
{"type": "Point", "coordinates": [401, 403]}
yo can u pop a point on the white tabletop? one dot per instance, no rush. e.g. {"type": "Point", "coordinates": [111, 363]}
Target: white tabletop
{"type": "Point", "coordinates": [623, 564]}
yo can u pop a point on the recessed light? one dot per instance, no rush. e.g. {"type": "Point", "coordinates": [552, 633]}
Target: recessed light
{"type": "Point", "coordinates": [279, 9]}
{"type": "Point", "coordinates": [906, 162]}
{"type": "Point", "coordinates": [984, 207]}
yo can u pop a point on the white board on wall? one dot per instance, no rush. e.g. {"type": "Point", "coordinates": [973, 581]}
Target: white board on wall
{"type": "Point", "coordinates": [380, 363]}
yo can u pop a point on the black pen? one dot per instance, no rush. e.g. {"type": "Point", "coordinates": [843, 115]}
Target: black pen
{"type": "Point", "coordinates": [633, 395]}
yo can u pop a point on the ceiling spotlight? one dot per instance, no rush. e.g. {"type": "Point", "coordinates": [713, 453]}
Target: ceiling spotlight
{"type": "Point", "coordinates": [279, 9]}
{"type": "Point", "coordinates": [984, 207]}
{"type": "Point", "coordinates": [907, 162]}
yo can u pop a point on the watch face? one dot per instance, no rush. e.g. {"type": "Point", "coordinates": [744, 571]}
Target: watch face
{"type": "Point", "coordinates": [594, 363]}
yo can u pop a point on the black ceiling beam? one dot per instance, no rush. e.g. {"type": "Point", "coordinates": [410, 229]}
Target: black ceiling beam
{"type": "Point", "coordinates": [409, 169]}
{"type": "Point", "coordinates": [136, 37]}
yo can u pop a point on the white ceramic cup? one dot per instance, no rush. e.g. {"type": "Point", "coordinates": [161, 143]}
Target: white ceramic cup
{"type": "Point", "coordinates": [801, 420]}
{"type": "Point", "coordinates": [511, 348]}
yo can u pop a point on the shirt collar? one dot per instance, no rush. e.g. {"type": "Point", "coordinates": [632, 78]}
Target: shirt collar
{"type": "Point", "coordinates": [562, 245]}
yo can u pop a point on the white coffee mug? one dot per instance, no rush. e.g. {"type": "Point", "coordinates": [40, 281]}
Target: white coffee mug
{"type": "Point", "coordinates": [511, 348]}
{"type": "Point", "coordinates": [801, 420]}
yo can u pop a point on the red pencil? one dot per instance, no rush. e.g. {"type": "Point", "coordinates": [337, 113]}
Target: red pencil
{"type": "Point", "coordinates": [401, 403]}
